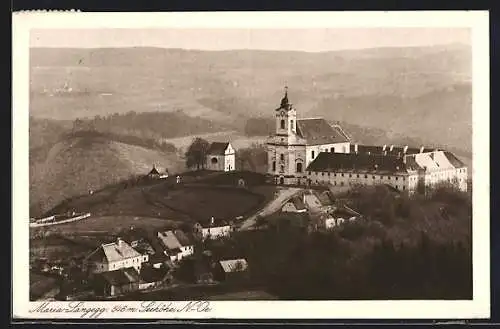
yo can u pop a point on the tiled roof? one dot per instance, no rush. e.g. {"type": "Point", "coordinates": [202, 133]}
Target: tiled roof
{"type": "Point", "coordinates": [154, 172]}
{"type": "Point", "coordinates": [345, 162]}
{"type": "Point", "coordinates": [169, 240]}
{"type": "Point", "coordinates": [113, 252]}
{"type": "Point", "coordinates": [319, 131]}
{"type": "Point", "coordinates": [454, 160]}
{"type": "Point", "coordinates": [323, 198]}
{"type": "Point", "coordinates": [234, 265]}
{"type": "Point", "coordinates": [182, 238]}
{"type": "Point", "coordinates": [217, 148]}
{"type": "Point", "coordinates": [298, 203]}
{"type": "Point", "coordinates": [121, 276]}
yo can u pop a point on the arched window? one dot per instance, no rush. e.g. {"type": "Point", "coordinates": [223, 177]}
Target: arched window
{"type": "Point", "coordinates": [274, 165]}
{"type": "Point", "coordinates": [282, 168]}
{"type": "Point", "coordinates": [282, 124]}
{"type": "Point", "coordinates": [299, 167]}
{"type": "Point", "coordinates": [214, 160]}
{"type": "Point", "coordinates": [291, 124]}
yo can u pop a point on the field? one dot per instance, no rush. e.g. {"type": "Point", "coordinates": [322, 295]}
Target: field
{"type": "Point", "coordinates": [203, 196]}
{"type": "Point", "coordinates": [40, 285]}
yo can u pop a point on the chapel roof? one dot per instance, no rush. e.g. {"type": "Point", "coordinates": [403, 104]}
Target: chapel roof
{"type": "Point", "coordinates": [217, 148]}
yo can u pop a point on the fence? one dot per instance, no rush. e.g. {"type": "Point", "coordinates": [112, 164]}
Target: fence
{"type": "Point", "coordinates": [69, 220]}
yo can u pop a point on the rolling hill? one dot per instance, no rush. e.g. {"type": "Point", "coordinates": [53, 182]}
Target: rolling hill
{"type": "Point", "coordinates": [388, 88]}
{"type": "Point", "coordinates": [76, 165]}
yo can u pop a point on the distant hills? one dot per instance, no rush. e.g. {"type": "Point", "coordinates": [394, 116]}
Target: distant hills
{"type": "Point", "coordinates": [416, 95]}
{"type": "Point", "coordinates": [383, 88]}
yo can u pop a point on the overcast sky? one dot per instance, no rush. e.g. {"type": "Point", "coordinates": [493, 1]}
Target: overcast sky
{"type": "Point", "coordinates": [312, 40]}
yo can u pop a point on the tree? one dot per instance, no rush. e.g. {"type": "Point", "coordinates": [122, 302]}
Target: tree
{"type": "Point", "coordinates": [197, 153]}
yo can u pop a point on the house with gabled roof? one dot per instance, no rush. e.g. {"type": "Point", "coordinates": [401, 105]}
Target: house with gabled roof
{"type": "Point", "coordinates": [295, 204]}
{"type": "Point", "coordinates": [213, 228]}
{"type": "Point", "coordinates": [231, 270]}
{"type": "Point", "coordinates": [221, 156]}
{"type": "Point", "coordinates": [177, 245]}
{"type": "Point", "coordinates": [114, 256]}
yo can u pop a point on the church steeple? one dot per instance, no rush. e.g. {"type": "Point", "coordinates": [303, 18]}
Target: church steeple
{"type": "Point", "coordinates": [284, 100]}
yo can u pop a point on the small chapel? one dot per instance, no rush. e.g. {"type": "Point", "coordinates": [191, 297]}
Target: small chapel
{"type": "Point", "coordinates": [297, 142]}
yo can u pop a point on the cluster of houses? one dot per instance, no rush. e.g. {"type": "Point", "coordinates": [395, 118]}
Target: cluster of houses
{"type": "Point", "coordinates": [147, 262]}
{"type": "Point", "coordinates": [329, 211]}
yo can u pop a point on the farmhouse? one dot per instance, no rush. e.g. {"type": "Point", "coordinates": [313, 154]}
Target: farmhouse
{"type": "Point", "coordinates": [221, 157]}
{"type": "Point", "coordinates": [318, 201]}
{"type": "Point", "coordinates": [155, 174]}
{"type": "Point", "coordinates": [295, 204]}
{"type": "Point", "coordinates": [311, 151]}
{"type": "Point", "coordinates": [339, 216]}
{"type": "Point", "coordinates": [231, 270]}
{"type": "Point", "coordinates": [177, 244]}
{"type": "Point", "coordinates": [114, 256]}
{"type": "Point", "coordinates": [213, 229]}
{"type": "Point", "coordinates": [117, 282]}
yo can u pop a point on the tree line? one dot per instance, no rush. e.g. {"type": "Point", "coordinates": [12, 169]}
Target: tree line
{"type": "Point", "coordinates": [368, 259]}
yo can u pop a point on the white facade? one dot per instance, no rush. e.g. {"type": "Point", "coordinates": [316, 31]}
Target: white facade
{"type": "Point", "coordinates": [434, 168]}
{"type": "Point", "coordinates": [289, 153]}
{"type": "Point", "coordinates": [174, 248]}
{"type": "Point", "coordinates": [215, 232]}
{"type": "Point", "coordinates": [222, 160]}
{"type": "Point", "coordinates": [114, 256]}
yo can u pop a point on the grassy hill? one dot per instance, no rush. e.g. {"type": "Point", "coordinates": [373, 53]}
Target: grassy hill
{"type": "Point", "coordinates": [389, 88]}
{"type": "Point", "coordinates": [78, 164]}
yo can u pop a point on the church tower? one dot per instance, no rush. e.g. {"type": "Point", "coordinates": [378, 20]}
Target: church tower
{"type": "Point", "coordinates": [286, 117]}
{"type": "Point", "coordinates": [286, 150]}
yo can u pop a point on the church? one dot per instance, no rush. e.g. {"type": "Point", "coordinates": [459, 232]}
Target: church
{"type": "Point", "coordinates": [313, 152]}
{"type": "Point", "coordinates": [297, 142]}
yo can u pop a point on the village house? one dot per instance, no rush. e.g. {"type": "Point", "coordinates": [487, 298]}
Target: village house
{"type": "Point", "coordinates": [295, 204]}
{"type": "Point", "coordinates": [221, 157]}
{"type": "Point", "coordinates": [231, 270]}
{"type": "Point", "coordinates": [155, 174]}
{"type": "Point", "coordinates": [177, 245]}
{"type": "Point", "coordinates": [317, 202]}
{"type": "Point", "coordinates": [114, 256]}
{"type": "Point", "coordinates": [212, 229]}
{"type": "Point", "coordinates": [117, 282]}
{"type": "Point", "coordinates": [339, 216]}
{"type": "Point", "coordinates": [312, 151]}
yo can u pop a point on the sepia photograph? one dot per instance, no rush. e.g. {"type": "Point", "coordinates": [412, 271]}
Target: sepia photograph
{"type": "Point", "coordinates": [273, 163]}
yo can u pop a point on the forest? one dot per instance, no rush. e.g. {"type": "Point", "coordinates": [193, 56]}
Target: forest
{"type": "Point", "coordinates": [391, 254]}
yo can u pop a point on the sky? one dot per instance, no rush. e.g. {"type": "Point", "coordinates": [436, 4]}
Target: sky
{"type": "Point", "coordinates": [310, 40]}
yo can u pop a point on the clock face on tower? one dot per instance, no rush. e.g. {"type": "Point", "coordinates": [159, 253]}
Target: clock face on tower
{"type": "Point", "coordinates": [282, 113]}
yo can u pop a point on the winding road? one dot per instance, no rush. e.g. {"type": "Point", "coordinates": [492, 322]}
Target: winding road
{"type": "Point", "coordinates": [283, 195]}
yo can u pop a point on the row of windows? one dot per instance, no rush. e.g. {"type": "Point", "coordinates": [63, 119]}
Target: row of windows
{"type": "Point", "coordinates": [358, 176]}
{"type": "Point", "coordinates": [349, 184]}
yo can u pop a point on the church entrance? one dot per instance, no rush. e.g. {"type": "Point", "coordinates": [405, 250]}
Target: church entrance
{"type": "Point", "coordinates": [282, 180]}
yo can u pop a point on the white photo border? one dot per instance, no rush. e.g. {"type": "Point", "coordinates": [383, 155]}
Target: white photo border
{"type": "Point", "coordinates": [477, 21]}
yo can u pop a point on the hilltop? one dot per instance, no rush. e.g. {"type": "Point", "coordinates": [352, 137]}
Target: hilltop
{"type": "Point", "coordinates": [388, 88]}
{"type": "Point", "coordinates": [77, 164]}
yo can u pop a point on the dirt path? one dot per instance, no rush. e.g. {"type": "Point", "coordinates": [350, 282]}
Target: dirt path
{"type": "Point", "coordinates": [283, 195]}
